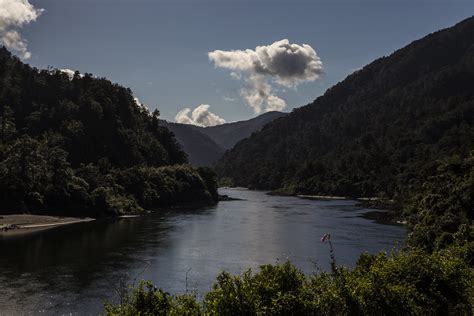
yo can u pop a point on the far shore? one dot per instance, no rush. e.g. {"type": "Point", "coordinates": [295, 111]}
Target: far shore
{"type": "Point", "coordinates": [16, 224]}
{"type": "Point", "coordinates": [321, 197]}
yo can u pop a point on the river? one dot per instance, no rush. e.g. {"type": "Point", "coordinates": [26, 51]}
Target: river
{"type": "Point", "coordinates": [74, 269]}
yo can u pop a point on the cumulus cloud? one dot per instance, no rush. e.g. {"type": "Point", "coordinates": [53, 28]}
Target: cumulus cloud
{"type": "Point", "coordinates": [14, 14]}
{"type": "Point", "coordinates": [284, 63]}
{"type": "Point", "coordinates": [258, 94]}
{"type": "Point", "coordinates": [200, 116]}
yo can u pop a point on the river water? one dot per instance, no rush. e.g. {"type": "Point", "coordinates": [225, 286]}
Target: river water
{"type": "Point", "coordinates": [74, 269]}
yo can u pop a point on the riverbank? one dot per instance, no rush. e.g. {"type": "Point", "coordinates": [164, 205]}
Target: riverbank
{"type": "Point", "coordinates": [321, 197]}
{"type": "Point", "coordinates": [24, 223]}
{"type": "Point", "coordinates": [384, 211]}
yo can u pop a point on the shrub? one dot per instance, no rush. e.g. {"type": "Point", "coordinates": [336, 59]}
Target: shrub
{"type": "Point", "coordinates": [412, 281]}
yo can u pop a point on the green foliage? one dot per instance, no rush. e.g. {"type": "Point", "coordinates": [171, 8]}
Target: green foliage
{"type": "Point", "coordinates": [169, 185]}
{"type": "Point", "coordinates": [411, 282]}
{"type": "Point", "coordinates": [34, 174]}
{"type": "Point", "coordinates": [210, 180]}
{"type": "Point", "coordinates": [379, 130]}
{"type": "Point", "coordinates": [442, 211]}
{"type": "Point", "coordinates": [275, 290]}
{"type": "Point", "coordinates": [145, 300]}
{"type": "Point", "coordinates": [115, 203]}
{"type": "Point", "coordinates": [226, 182]}
{"type": "Point", "coordinates": [84, 147]}
{"type": "Point", "coordinates": [405, 283]}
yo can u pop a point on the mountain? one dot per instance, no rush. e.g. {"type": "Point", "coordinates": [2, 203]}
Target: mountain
{"type": "Point", "coordinates": [379, 131]}
{"type": "Point", "coordinates": [205, 145]}
{"type": "Point", "coordinates": [201, 149]}
{"type": "Point", "coordinates": [83, 146]}
{"type": "Point", "coordinates": [229, 134]}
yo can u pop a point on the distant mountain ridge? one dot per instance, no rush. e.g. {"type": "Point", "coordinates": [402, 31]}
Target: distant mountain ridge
{"type": "Point", "coordinates": [379, 131]}
{"type": "Point", "coordinates": [201, 149]}
{"type": "Point", "coordinates": [229, 134]}
{"type": "Point", "coordinates": [205, 145]}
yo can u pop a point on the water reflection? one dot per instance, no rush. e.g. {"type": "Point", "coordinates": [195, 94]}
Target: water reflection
{"type": "Point", "coordinates": [75, 268]}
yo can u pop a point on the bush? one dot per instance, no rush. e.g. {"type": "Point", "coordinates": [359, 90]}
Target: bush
{"type": "Point", "coordinates": [408, 282]}
{"type": "Point", "coordinates": [170, 185]}
{"type": "Point", "coordinates": [442, 211]}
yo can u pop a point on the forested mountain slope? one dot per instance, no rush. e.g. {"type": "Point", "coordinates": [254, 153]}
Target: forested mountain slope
{"type": "Point", "coordinates": [205, 145]}
{"type": "Point", "coordinates": [83, 146]}
{"type": "Point", "coordinates": [200, 148]}
{"type": "Point", "coordinates": [228, 134]}
{"type": "Point", "coordinates": [380, 130]}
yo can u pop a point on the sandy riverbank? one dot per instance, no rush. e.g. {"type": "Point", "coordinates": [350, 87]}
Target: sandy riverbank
{"type": "Point", "coordinates": [24, 223]}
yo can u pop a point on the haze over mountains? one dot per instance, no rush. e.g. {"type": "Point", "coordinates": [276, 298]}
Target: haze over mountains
{"type": "Point", "coordinates": [205, 145]}
{"type": "Point", "coordinates": [380, 131]}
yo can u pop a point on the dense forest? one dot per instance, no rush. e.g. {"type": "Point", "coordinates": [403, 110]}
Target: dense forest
{"type": "Point", "coordinates": [83, 146]}
{"type": "Point", "coordinates": [380, 131]}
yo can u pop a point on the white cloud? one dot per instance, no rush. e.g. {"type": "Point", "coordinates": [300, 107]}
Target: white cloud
{"type": "Point", "coordinates": [137, 101]}
{"type": "Point", "coordinates": [228, 99]}
{"type": "Point", "coordinates": [69, 72]}
{"type": "Point", "coordinates": [275, 103]}
{"type": "Point", "coordinates": [258, 94]}
{"type": "Point", "coordinates": [286, 64]}
{"type": "Point", "coordinates": [13, 41]}
{"type": "Point", "coordinates": [14, 14]}
{"type": "Point", "coordinates": [289, 64]}
{"type": "Point", "coordinates": [200, 116]}
{"type": "Point", "coordinates": [141, 105]}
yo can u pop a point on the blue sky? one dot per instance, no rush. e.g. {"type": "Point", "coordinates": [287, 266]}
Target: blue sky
{"type": "Point", "coordinates": [159, 48]}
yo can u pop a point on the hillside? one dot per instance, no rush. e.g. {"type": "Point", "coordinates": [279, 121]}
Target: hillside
{"type": "Point", "coordinates": [82, 146]}
{"type": "Point", "coordinates": [200, 148]}
{"type": "Point", "coordinates": [380, 131]}
{"type": "Point", "coordinates": [205, 145]}
{"type": "Point", "coordinates": [229, 134]}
